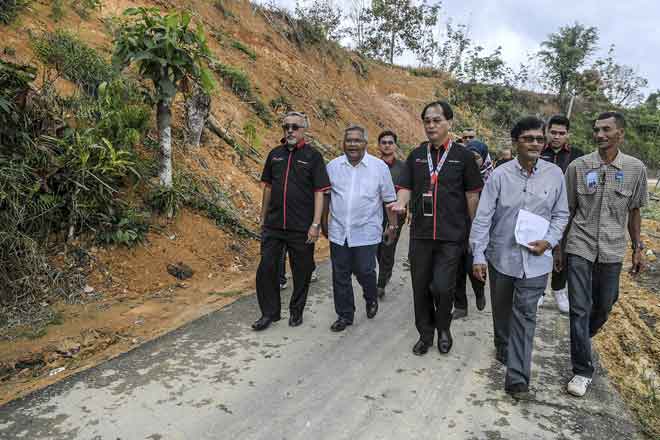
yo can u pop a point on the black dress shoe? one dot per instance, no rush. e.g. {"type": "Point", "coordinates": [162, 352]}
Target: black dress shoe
{"type": "Point", "coordinates": [295, 320]}
{"type": "Point", "coordinates": [520, 392]}
{"type": "Point", "coordinates": [481, 301]}
{"type": "Point", "coordinates": [263, 323]}
{"type": "Point", "coordinates": [445, 341]}
{"type": "Point", "coordinates": [372, 309]}
{"type": "Point", "coordinates": [340, 325]}
{"type": "Point", "coordinates": [420, 348]}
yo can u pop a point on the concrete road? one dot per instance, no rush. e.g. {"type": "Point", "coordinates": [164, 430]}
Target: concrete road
{"type": "Point", "coordinates": [217, 379]}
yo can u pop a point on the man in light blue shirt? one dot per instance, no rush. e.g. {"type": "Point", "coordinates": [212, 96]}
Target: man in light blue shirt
{"type": "Point", "coordinates": [355, 229]}
{"type": "Point", "coordinates": [518, 273]}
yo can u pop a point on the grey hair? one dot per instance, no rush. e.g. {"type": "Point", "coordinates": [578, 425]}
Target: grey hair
{"type": "Point", "coordinates": [356, 127]}
{"type": "Point", "coordinates": [299, 115]}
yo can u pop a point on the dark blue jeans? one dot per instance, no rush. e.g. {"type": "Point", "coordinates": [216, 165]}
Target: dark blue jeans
{"type": "Point", "coordinates": [593, 288]}
{"type": "Point", "coordinates": [346, 262]}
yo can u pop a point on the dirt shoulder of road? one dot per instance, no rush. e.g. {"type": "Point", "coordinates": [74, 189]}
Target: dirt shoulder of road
{"type": "Point", "coordinates": [629, 344]}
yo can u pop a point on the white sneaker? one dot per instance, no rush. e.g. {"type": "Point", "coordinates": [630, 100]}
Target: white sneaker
{"type": "Point", "coordinates": [284, 285]}
{"type": "Point", "coordinates": [578, 385]}
{"type": "Point", "coordinates": [540, 303]}
{"type": "Point", "coordinates": [315, 277]}
{"type": "Point", "coordinates": [561, 296]}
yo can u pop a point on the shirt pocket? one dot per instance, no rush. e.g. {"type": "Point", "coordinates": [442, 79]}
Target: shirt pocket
{"type": "Point", "coordinates": [278, 168]}
{"type": "Point", "coordinates": [303, 170]}
{"type": "Point", "coordinates": [619, 202]}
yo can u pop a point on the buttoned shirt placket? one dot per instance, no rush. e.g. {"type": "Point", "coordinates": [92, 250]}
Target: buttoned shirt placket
{"type": "Point", "coordinates": [526, 176]}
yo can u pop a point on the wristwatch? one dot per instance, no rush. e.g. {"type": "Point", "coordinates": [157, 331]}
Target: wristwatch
{"type": "Point", "coordinates": [316, 225]}
{"type": "Point", "coordinates": [393, 227]}
{"type": "Point", "coordinates": [637, 245]}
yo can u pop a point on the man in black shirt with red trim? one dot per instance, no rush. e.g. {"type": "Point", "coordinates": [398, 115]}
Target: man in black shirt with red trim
{"type": "Point", "coordinates": [441, 181]}
{"type": "Point", "coordinates": [559, 151]}
{"type": "Point", "coordinates": [295, 179]}
{"type": "Point", "coordinates": [387, 146]}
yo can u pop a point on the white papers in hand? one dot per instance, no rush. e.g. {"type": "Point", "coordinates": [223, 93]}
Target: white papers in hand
{"type": "Point", "coordinates": [531, 227]}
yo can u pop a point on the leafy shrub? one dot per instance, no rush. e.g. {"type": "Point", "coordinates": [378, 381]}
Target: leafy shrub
{"type": "Point", "coordinates": [250, 131]}
{"type": "Point", "coordinates": [9, 9]}
{"type": "Point", "coordinates": [127, 227]}
{"type": "Point", "coordinates": [75, 60]}
{"type": "Point", "coordinates": [327, 109]}
{"type": "Point", "coordinates": [281, 104]}
{"type": "Point", "coordinates": [239, 83]}
{"type": "Point", "coordinates": [84, 7]}
{"type": "Point", "coordinates": [243, 48]}
{"type": "Point", "coordinates": [57, 11]}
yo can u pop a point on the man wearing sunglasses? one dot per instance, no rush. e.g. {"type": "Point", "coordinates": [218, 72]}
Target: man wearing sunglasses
{"type": "Point", "coordinates": [518, 271]}
{"type": "Point", "coordinates": [294, 179]}
{"type": "Point", "coordinates": [561, 153]}
{"type": "Point", "coordinates": [606, 190]}
{"type": "Point", "coordinates": [387, 146]}
{"type": "Point", "coordinates": [469, 134]}
{"type": "Point", "coordinates": [441, 181]}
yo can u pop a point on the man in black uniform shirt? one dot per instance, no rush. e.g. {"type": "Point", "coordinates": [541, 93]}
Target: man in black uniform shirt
{"type": "Point", "coordinates": [441, 181]}
{"type": "Point", "coordinates": [561, 153]}
{"type": "Point", "coordinates": [387, 146]}
{"type": "Point", "coordinates": [295, 179]}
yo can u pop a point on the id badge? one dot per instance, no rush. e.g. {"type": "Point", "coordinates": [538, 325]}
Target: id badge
{"type": "Point", "coordinates": [427, 204]}
{"type": "Point", "coordinates": [591, 179]}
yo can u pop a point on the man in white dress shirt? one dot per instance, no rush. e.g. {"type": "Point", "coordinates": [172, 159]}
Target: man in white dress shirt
{"type": "Point", "coordinates": [361, 184]}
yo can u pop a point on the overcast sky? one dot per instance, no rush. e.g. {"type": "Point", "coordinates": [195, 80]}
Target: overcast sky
{"type": "Point", "coordinates": [519, 26]}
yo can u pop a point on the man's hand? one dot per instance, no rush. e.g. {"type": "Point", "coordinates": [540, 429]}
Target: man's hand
{"type": "Point", "coordinates": [313, 234]}
{"type": "Point", "coordinates": [479, 271]}
{"type": "Point", "coordinates": [538, 247]}
{"type": "Point", "coordinates": [397, 207]}
{"type": "Point", "coordinates": [390, 235]}
{"type": "Point", "coordinates": [558, 259]}
{"type": "Point", "coordinates": [637, 262]}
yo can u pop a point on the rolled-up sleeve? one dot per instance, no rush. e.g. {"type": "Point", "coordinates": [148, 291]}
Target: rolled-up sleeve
{"type": "Point", "coordinates": [480, 231]}
{"type": "Point", "coordinates": [559, 215]}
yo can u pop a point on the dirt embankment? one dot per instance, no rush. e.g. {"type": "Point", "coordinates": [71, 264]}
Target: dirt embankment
{"type": "Point", "coordinates": [629, 345]}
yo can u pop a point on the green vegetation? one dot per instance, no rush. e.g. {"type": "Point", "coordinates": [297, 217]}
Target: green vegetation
{"type": "Point", "coordinates": [250, 131]}
{"type": "Point", "coordinates": [240, 85]}
{"type": "Point", "coordinates": [327, 109]}
{"type": "Point", "coordinates": [85, 7]}
{"type": "Point", "coordinates": [9, 10]}
{"type": "Point", "coordinates": [243, 48]}
{"type": "Point", "coordinates": [73, 59]}
{"type": "Point", "coordinates": [281, 104]}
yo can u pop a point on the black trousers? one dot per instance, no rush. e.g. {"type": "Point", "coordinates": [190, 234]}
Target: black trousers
{"type": "Point", "coordinates": [386, 255]}
{"type": "Point", "coordinates": [465, 271]}
{"type": "Point", "coordinates": [346, 262]}
{"type": "Point", "coordinates": [433, 265]}
{"type": "Point", "coordinates": [559, 279]}
{"type": "Point", "coordinates": [301, 259]}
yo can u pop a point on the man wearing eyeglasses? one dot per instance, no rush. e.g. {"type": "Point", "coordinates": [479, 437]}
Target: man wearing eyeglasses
{"type": "Point", "coordinates": [518, 271]}
{"type": "Point", "coordinates": [561, 153]}
{"type": "Point", "coordinates": [387, 146]}
{"type": "Point", "coordinates": [441, 181]}
{"type": "Point", "coordinates": [361, 185]}
{"type": "Point", "coordinates": [294, 179]}
{"type": "Point", "coordinates": [606, 190]}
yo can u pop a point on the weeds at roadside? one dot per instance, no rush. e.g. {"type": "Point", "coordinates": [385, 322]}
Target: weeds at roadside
{"type": "Point", "coordinates": [243, 48]}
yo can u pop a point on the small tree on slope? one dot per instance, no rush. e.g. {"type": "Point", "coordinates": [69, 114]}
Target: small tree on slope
{"type": "Point", "coordinates": [166, 51]}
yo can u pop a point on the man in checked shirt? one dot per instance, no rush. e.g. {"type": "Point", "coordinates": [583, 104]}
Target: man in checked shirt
{"type": "Point", "coordinates": [606, 190]}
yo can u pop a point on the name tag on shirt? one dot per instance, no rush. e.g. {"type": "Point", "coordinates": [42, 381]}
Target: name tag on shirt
{"type": "Point", "coordinates": [619, 177]}
{"type": "Point", "coordinates": [591, 179]}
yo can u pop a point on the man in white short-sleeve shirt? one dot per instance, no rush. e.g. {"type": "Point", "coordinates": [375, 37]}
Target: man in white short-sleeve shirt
{"type": "Point", "coordinates": [360, 184]}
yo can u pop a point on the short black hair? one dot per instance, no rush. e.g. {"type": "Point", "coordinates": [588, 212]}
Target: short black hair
{"type": "Point", "coordinates": [446, 109]}
{"type": "Point", "coordinates": [388, 133]}
{"type": "Point", "coordinates": [559, 120]}
{"type": "Point", "coordinates": [526, 123]}
{"type": "Point", "coordinates": [618, 117]}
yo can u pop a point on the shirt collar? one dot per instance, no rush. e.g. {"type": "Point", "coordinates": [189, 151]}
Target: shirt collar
{"type": "Point", "coordinates": [566, 147]}
{"type": "Point", "coordinates": [445, 145]}
{"type": "Point", "coordinates": [300, 145]}
{"type": "Point", "coordinates": [524, 171]}
{"type": "Point", "coordinates": [390, 162]}
{"type": "Point", "coordinates": [364, 162]}
{"type": "Point", "coordinates": [595, 161]}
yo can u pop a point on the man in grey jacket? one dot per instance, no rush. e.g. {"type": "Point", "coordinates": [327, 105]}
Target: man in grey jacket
{"type": "Point", "coordinates": [518, 271]}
